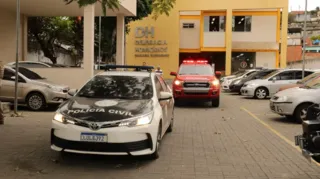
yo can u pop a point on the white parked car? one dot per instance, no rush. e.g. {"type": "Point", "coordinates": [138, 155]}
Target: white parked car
{"type": "Point", "coordinates": [225, 84]}
{"type": "Point", "coordinates": [294, 102]}
{"type": "Point", "coordinates": [270, 84]}
{"type": "Point", "coordinates": [115, 113]}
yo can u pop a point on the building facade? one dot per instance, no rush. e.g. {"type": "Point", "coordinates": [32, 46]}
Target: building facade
{"type": "Point", "coordinates": [229, 34]}
{"type": "Point", "coordinates": [59, 8]}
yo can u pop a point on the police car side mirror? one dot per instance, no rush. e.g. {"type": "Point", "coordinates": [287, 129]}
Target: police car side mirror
{"type": "Point", "coordinates": [72, 92]}
{"type": "Point", "coordinates": [165, 96]}
{"type": "Point", "coordinates": [173, 74]}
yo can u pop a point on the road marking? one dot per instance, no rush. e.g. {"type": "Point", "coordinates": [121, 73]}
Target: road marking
{"type": "Point", "coordinates": [276, 132]}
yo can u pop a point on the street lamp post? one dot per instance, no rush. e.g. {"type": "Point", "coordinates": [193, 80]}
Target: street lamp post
{"type": "Point", "coordinates": [17, 58]}
{"type": "Point", "coordinates": [99, 58]}
{"type": "Point", "coordinates": [304, 38]}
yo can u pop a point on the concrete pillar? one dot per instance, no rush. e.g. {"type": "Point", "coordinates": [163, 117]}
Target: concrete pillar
{"type": "Point", "coordinates": [120, 40]}
{"type": "Point", "coordinates": [228, 41]}
{"type": "Point", "coordinates": [88, 41]}
{"type": "Point", "coordinates": [284, 35]}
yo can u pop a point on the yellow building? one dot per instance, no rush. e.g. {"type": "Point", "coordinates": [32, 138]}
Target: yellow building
{"type": "Point", "coordinates": [230, 34]}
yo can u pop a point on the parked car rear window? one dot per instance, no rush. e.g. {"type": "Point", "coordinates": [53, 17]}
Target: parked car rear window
{"type": "Point", "coordinates": [195, 70]}
{"type": "Point", "coordinates": [118, 87]}
{"type": "Point", "coordinates": [29, 74]}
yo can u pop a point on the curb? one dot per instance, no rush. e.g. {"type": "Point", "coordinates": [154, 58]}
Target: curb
{"type": "Point", "coordinates": [6, 107]}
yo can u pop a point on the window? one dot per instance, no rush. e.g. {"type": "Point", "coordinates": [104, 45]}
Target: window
{"type": "Point", "coordinates": [163, 83]}
{"type": "Point", "coordinates": [32, 65]}
{"type": "Point", "coordinates": [298, 75]}
{"type": "Point", "coordinates": [188, 25]}
{"type": "Point", "coordinates": [29, 74]}
{"type": "Point", "coordinates": [214, 23]}
{"type": "Point", "coordinates": [241, 23]}
{"type": "Point", "coordinates": [8, 74]}
{"type": "Point", "coordinates": [287, 75]}
{"type": "Point", "coordinates": [158, 86]}
{"type": "Point", "coordinates": [118, 87]}
{"type": "Point", "coordinates": [195, 70]}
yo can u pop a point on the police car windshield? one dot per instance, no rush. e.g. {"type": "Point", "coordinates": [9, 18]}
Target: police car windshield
{"type": "Point", "coordinates": [118, 87]}
{"type": "Point", "coordinates": [195, 70]}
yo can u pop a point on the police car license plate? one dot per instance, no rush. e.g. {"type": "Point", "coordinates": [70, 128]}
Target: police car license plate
{"type": "Point", "coordinates": [93, 137]}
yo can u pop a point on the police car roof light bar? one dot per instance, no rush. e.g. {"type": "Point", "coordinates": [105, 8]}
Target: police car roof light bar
{"type": "Point", "coordinates": [196, 61]}
{"type": "Point", "coordinates": [137, 68]}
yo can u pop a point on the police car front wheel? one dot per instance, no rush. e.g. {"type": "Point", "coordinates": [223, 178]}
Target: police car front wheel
{"type": "Point", "coordinates": [155, 154]}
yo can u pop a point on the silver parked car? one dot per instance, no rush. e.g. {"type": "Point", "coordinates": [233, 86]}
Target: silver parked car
{"type": "Point", "coordinates": [270, 84]}
{"type": "Point", "coordinates": [33, 90]}
{"type": "Point", "coordinates": [294, 102]}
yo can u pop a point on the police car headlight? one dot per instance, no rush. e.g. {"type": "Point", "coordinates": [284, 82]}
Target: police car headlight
{"type": "Point", "coordinates": [61, 118]}
{"type": "Point", "coordinates": [139, 121]}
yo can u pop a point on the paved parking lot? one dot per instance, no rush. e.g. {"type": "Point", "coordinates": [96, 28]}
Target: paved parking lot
{"type": "Point", "coordinates": [239, 140]}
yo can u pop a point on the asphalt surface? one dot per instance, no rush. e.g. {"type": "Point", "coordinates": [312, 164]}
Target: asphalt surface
{"type": "Point", "coordinates": [239, 140]}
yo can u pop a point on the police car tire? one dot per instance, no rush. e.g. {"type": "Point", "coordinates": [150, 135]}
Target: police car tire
{"type": "Point", "coordinates": [155, 154]}
{"type": "Point", "coordinates": [216, 102]}
{"type": "Point", "coordinates": [170, 128]}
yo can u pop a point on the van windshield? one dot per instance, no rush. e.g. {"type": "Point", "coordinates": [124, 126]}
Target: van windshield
{"type": "Point", "coordinates": [196, 70]}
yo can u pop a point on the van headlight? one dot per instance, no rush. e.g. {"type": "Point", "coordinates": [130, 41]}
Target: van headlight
{"type": "Point", "coordinates": [61, 118]}
{"type": "Point", "coordinates": [138, 121]}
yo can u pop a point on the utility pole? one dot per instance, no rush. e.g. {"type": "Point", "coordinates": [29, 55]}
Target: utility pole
{"type": "Point", "coordinates": [99, 58]}
{"type": "Point", "coordinates": [304, 38]}
{"type": "Point", "coordinates": [17, 58]}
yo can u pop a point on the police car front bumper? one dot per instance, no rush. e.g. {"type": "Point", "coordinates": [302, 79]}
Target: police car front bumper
{"type": "Point", "coordinates": [124, 140]}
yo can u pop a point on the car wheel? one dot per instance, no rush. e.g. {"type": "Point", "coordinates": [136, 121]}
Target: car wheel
{"type": "Point", "coordinates": [170, 128]}
{"type": "Point", "coordinates": [300, 113]}
{"type": "Point", "coordinates": [155, 154]}
{"type": "Point", "coordinates": [215, 102]}
{"type": "Point", "coordinates": [35, 101]}
{"type": "Point", "coordinates": [261, 93]}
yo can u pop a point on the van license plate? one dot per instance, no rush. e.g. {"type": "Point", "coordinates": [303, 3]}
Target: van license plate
{"type": "Point", "coordinates": [93, 137]}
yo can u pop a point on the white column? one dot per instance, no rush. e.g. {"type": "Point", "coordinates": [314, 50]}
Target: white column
{"type": "Point", "coordinates": [120, 40]}
{"type": "Point", "coordinates": [88, 41]}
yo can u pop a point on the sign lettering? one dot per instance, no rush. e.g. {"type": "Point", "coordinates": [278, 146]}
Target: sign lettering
{"type": "Point", "coordinates": [76, 111]}
{"type": "Point", "coordinates": [147, 46]}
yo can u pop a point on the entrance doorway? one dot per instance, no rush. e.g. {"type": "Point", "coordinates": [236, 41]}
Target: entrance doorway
{"type": "Point", "coordinates": [243, 60]}
{"type": "Point", "coordinates": [218, 59]}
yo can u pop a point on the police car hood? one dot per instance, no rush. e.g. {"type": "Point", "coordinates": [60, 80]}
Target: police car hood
{"type": "Point", "coordinates": [102, 110]}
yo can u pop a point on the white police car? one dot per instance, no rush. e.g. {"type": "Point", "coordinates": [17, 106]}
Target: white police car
{"type": "Point", "coordinates": [115, 113]}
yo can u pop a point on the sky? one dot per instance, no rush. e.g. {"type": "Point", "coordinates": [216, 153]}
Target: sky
{"type": "Point", "coordinates": [294, 4]}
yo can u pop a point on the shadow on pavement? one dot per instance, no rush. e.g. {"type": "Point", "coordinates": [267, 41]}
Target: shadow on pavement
{"type": "Point", "coordinates": [284, 120]}
{"type": "Point", "coordinates": [23, 108]}
{"type": "Point", "coordinates": [102, 162]}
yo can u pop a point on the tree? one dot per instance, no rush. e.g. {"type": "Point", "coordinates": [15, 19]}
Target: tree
{"type": "Point", "coordinates": [46, 33]}
{"type": "Point", "coordinates": [291, 18]}
{"type": "Point", "coordinates": [159, 7]}
{"type": "Point", "coordinates": [317, 8]}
